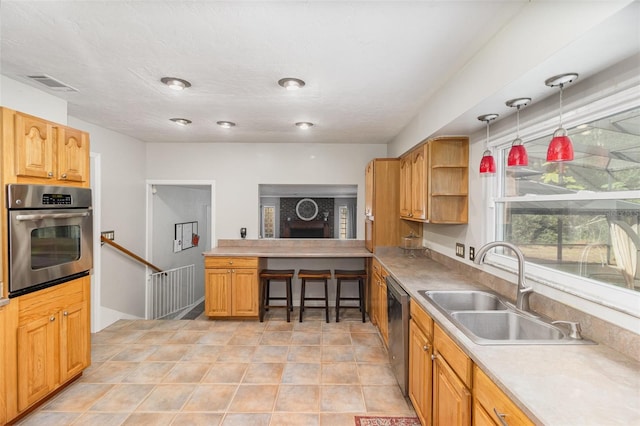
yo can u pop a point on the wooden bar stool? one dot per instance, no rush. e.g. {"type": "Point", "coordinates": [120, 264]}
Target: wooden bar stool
{"type": "Point", "coordinates": [268, 275]}
{"type": "Point", "coordinates": [360, 277]}
{"type": "Point", "coordinates": [322, 275]}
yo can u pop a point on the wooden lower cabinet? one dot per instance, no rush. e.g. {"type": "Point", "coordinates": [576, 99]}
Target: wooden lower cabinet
{"type": "Point", "coordinates": [491, 406]}
{"type": "Point", "coordinates": [378, 305]}
{"type": "Point", "coordinates": [3, 394]}
{"type": "Point", "coordinates": [451, 398]}
{"type": "Point", "coordinates": [231, 286]}
{"type": "Point", "coordinates": [420, 364]}
{"type": "Point", "coordinates": [51, 340]}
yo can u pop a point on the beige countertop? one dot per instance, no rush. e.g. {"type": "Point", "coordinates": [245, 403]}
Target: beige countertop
{"type": "Point", "coordinates": [553, 384]}
{"type": "Point", "coordinates": [295, 248]}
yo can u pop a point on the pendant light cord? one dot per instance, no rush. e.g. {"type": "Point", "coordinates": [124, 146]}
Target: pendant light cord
{"type": "Point", "coordinates": [561, 89]}
{"type": "Point", "coordinates": [487, 141]}
{"type": "Point", "coordinates": [518, 122]}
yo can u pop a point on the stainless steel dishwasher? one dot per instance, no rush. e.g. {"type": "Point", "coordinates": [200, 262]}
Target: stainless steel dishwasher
{"type": "Point", "coordinates": [398, 317]}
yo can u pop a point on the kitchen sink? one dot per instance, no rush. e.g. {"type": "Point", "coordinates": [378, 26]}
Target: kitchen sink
{"type": "Point", "coordinates": [465, 300]}
{"type": "Point", "coordinates": [487, 319]}
{"type": "Point", "coordinates": [508, 327]}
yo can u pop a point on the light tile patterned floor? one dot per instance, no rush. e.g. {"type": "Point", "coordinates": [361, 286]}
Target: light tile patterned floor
{"type": "Point", "coordinates": [206, 372]}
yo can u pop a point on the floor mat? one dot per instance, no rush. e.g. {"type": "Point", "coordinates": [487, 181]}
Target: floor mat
{"type": "Point", "coordinates": [386, 421]}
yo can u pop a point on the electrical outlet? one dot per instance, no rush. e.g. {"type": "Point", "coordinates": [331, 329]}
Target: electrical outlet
{"type": "Point", "coordinates": [472, 253]}
{"type": "Point", "coordinates": [460, 250]}
{"type": "Point", "coordinates": [109, 235]}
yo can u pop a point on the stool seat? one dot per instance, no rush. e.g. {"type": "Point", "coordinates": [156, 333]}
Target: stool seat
{"type": "Point", "coordinates": [266, 275]}
{"type": "Point", "coordinates": [318, 275]}
{"type": "Point", "coordinates": [350, 275]}
{"type": "Point", "coordinates": [314, 274]}
{"type": "Point", "coordinates": [277, 273]}
{"type": "Point", "coordinates": [346, 274]}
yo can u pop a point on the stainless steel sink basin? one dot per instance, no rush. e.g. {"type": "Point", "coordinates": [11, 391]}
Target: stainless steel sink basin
{"type": "Point", "coordinates": [465, 300]}
{"type": "Point", "coordinates": [487, 319]}
{"type": "Point", "coordinates": [508, 327]}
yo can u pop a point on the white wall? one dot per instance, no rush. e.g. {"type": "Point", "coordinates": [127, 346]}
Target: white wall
{"type": "Point", "coordinates": [20, 97]}
{"type": "Point", "coordinates": [123, 211]}
{"type": "Point", "coordinates": [238, 169]}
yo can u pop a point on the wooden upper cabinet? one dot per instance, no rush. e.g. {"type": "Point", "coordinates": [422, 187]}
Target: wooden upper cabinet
{"type": "Point", "coordinates": [34, 147]}
{"type": "Point", "coordinates": [42, 152]}
{"type": "Point", "coordinates": [419, 179]}
{"type": "Point", "coordinates": [369, 189]}
{"type": "Point", "coordinates": [73, 154]}
{"type": "Point", "coordinates": [405, 186]}
{"type": "Point", "coordinates": [434, 181]}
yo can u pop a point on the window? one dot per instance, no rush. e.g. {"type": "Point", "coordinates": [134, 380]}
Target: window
{"type": "Point", "coordinates": [579, 219]}
{"type": "Point", "coordinates": [344, 222]}
{"type": "Point", "coordinates": [268, 221]}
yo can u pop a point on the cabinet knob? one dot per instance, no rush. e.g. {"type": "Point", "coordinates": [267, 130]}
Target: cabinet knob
{"type": "Point", "coordinates": [231, 262]}
{"type": "Point", "coordinates": [52, 319]}
{"type": "Point", "coordinates": [425, 348]}
{"type": "Point", "coordinates": [433, 357]}
{"type": "Point", "coordinates": [50, 174]}
{"type": "Point", "coordinates": [64, 176]}
{"type": "Point", "coordinates": [65, 313]}
{"type": "Point", "coordinates": [233, 270]}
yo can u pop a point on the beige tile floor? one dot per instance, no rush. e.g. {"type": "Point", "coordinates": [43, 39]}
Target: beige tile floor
{"type": "Point", "coordinates": [206, 372]}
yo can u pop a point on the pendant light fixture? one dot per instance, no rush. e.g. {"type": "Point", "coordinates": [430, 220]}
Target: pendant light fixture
{"type": "Point", "coordinates": [518, 153]}
{"type": "Point", "coordinates": [487, 163]}
{"type": "Point", "coordinates": [560, 148]}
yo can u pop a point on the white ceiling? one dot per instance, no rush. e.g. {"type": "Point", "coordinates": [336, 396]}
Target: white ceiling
{"type": "Point", "coordinates": [369, 65]}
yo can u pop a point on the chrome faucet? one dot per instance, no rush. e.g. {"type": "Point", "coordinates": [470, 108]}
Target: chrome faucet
{"type": "Point", "coordinates": [523, 292]}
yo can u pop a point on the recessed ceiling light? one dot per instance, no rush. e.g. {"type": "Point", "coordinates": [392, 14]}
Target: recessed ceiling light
{"type": "Point", "coordinates": [226, 124]}
{"type": "Point", "coordinates": [181, 121]}
{"type": "Point", "coordinates": [304, 124]}
{"type": "Point", "coordinates": [175, 83]}
{"type": "Point", "coordinates": [291, 83]}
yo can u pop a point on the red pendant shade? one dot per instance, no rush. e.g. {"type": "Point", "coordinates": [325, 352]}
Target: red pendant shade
{"type": "Point", "coordinates": [487, 163]}
{"type": "Point", "coordinates": [517, 156]}
{"type": "Point", "coordinates": [560, 147]}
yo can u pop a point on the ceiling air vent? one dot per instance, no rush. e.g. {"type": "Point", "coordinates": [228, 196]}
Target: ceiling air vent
{"type": "Point", "coordinates": [52, 83]}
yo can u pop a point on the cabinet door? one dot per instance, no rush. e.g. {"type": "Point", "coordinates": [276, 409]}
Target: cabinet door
{"type": "Point", "coordinates": [405, 186]}
{"type": "Point", "coordinates": [368, 189]}
{"type": "Point", "coordinates": [375, 297]}
{"type": "Point", "coordinates": [217, 298]}
{"type": "Point", "coordinates": [419, 184]}
{"type": "Point", "coordinates": [383, 321]}
{"type": "Point", "coordinates": [73, 155]}
{"type": "Point", "coordinates": [34, 147]}
{"type": "Point", "coordinates": [451, 398]}
{"type": "Point", "coordinates": [36, 359]}
{"type": "Point", "coordinates": [74, 341]}
{"type": "Point", "coordinates": [420, 372]}
{"type": "Point", "coordinates": [3, 396]}
{"type": "Point", "coordinates": [369, 242]}
{"type": "Point", "coordinates": [481, 417]}
{"type": "Point", "coordinates": [244, 293]}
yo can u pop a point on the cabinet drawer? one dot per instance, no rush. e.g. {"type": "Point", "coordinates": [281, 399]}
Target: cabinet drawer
{"type": "Point", "coordinates": [228, 262]}
{"type": "Point", "coordinates": [494, 401]}
{"type": "Point", "coordinates": [456, 358]}
{"type": "Point", "coordinates": [422, 319]}
{"type": "Point", "coordinates": [50, 300]}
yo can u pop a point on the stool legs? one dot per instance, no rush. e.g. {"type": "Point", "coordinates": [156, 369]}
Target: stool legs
{"type": "Point", "coordinates": [265, 297]}
{"type": "Point", "coordinates": [360, 297]}
{"type": "Point", "coordinates": [303, 287]}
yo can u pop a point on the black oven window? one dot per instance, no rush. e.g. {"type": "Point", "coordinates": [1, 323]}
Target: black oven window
{"type": "Point", "coordinates": [54, 245]}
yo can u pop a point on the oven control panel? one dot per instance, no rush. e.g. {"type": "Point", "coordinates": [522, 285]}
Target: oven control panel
{"type": "Point", "coordinates": [56, 199]}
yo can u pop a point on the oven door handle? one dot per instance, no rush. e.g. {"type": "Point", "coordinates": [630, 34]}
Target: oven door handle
{"type": "Point", "coordinates": [26, 217]}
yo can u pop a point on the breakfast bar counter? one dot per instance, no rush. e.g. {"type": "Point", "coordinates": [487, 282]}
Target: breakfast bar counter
{"type": "Point", "coordinates": [307, 248]}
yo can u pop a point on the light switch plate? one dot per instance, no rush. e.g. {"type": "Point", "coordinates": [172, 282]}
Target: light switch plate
{"type": "Point", "coordinates": [109, 235]}
{"type": "Point", "coordinates": [460, 250]}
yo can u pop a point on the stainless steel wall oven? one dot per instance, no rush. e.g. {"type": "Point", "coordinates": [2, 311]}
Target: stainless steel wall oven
{"type": "Point", "coordinates": [50, 236]}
